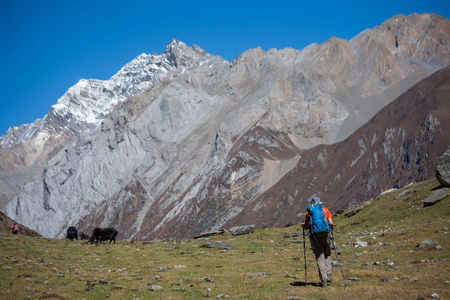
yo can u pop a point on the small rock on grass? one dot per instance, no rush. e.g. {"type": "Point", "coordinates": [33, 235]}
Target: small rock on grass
{"type": "Point", "coordinates": [353, 278]}
{"type": "Point", "coordinates": [259, 275]}
{"type": "Point", "coordinates": [155, 288]}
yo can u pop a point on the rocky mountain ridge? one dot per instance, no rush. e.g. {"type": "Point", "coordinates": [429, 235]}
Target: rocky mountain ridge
{"type": "Point", "coordinates": [194, 141]}
{"type": "Point", "coordinates": [26, 149]}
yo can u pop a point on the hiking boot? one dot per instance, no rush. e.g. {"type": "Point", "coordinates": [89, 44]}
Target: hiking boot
{"type": "Point", "coordinates": [324, 283]}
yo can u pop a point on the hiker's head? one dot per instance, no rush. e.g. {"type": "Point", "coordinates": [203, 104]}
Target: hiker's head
{"type": "Point", "coordinates": [315, 200]}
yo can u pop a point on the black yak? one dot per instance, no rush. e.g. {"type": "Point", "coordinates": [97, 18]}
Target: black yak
{"type": "Point", "coordinates": [72, 233]}
{"type": "Point", "coordinates": [103, 234]}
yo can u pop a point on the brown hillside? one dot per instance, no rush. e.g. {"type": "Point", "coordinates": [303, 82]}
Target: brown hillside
{"type": "Point", "coordinates": [6, 223]}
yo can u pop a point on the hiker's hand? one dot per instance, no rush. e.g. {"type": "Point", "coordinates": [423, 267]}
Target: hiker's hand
{"type": "Point", "coordinates": [303, 225]}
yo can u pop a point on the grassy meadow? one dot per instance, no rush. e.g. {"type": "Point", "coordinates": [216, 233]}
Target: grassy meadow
{"type": "Point", "coordinates": [266, 264]}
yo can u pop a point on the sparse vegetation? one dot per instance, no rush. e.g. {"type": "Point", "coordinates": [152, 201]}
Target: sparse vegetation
{"type": "Point", "coordinates": [261, 265]}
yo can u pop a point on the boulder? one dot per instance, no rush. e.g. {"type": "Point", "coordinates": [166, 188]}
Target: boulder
{"type": "Point", "coordinates": [239, 230]}
{"type": "Point", "coordinates": [219, 245]}
{"type": "Point", "coordinates": [426, 243]}
{"type": "Point", "coordinates": [436, 197]}
{"type": "Point", "coordinates": [443, 168]}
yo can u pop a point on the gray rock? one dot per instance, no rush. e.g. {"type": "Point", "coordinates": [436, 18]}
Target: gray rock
{"type": "Point", "coordinates": [239, 230]}
{"type": "Point", "coordinates": [210, 233]}
{"type": "Point", "coordinates": [425, 243]}
{"type": "Point", "coordinates": [352, 278]}
{"type": "Point", "coordinates": [360, 243]}
{"type": "Point", "coordinates": [219, 245]}
{"type": "Point", "coordinates": [295, 234]}
{"type": "Point", "coordinates": [294, 298]}
{"type": "Point", "coordinates": [263, 274]}
{"type": "Point", "coordinates": [403, 194]}
{"type": "Point", "coordinates": [443, 168]}
{"type": "Point", "coordinates": [155, 288]}
{"type": "Point", "coordinates": [436, 197]}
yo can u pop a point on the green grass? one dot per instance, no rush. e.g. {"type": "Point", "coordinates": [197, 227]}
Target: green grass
{"type": "Point", "coordinates": [389, 268]}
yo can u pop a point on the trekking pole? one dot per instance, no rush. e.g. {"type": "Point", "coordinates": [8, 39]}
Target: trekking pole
{"type": "Point", "coordinates": [334, 246]}
{"type": "Point", "coordinates": [304, 254]}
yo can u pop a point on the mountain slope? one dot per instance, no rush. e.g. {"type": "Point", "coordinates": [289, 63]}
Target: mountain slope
{"type": "Point", "coordinates": [195, 142]}
{"type": "Point", "coordinates": [399, 145]}
{"type": "Point", "coordinates": [6, 224]}
{"type": "Point", "coordinates": [25, 150]}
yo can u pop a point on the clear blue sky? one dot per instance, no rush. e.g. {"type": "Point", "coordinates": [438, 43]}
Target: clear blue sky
{"type": "Point", "coordinates": [47, 46]}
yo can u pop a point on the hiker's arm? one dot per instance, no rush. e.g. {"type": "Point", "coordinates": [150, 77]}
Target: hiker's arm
{"type": "Point", "coordinates": [330, 221]}
{"type": "Point", "coordinates": [306, 221]}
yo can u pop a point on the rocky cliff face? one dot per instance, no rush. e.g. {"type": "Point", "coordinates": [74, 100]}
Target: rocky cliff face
{"type": "Point", "coordinates": [182, 142]}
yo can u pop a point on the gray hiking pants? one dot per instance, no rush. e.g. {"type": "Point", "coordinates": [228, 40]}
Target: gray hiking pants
{"type": "Point", "coordinates": [322, 252]}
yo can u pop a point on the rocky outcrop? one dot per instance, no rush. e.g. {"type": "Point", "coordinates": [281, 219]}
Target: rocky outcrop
{"type": "Point", "coordinates": [240, 230]}
{"type": "Point", "coordinates": [443, 168]}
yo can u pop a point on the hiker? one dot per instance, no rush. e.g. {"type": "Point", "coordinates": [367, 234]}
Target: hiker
{"type": "Point", "coordinates": [319, 223]}
{"type": "Point", "coordinates": [14, 228]}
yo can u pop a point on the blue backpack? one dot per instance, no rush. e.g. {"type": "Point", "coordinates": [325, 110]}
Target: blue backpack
{"type": "Point", "coordinates": [317, 225]}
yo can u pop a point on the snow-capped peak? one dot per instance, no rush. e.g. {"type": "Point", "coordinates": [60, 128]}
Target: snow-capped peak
{"type": "Point", "coordinates": [86, 104]}
{"type": "Point", "coordinates": [89, 101]}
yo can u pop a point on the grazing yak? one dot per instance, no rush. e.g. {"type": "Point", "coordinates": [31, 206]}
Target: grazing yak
{"type": "Point", "coordinates": [103, 234]}
{"type": "Point", "coordinates": [72, 233]}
